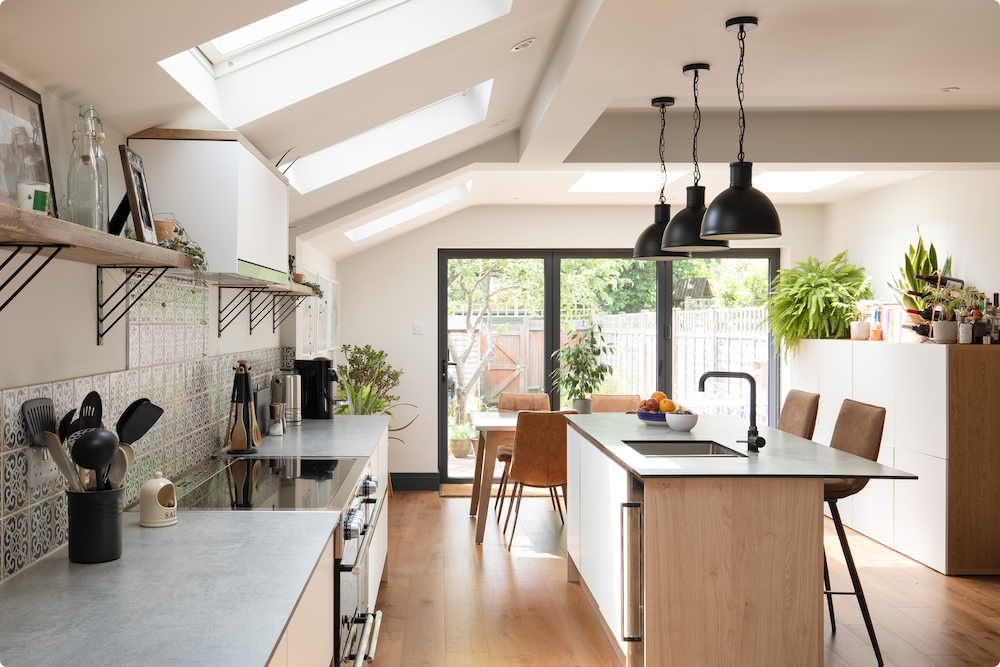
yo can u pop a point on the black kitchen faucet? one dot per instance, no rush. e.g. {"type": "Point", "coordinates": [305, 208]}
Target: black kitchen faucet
{"type": "Point", "coordinates": [754, 441]}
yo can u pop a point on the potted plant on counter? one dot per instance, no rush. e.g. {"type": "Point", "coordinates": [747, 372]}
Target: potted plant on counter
{"type": "Point", "coordinates": [815, 299]}
{"type": "Point", "coordinates": [365, 385]}
{"type": "Point", "coordinates": [580, 370]}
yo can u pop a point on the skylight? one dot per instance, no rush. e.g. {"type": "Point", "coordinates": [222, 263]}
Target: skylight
{"type": "Point", "coordinates": [800, 181]}
{"type": "Point", "coordinates": [314, 46]}
{"type": "Point", "coordinates": [391, 140]}
{"type": "Point", "coordinates": [623, 181]}
{"type": "Point", "coordinates": [410, 212]}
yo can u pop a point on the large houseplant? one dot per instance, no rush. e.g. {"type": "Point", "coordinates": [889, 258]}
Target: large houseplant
{"type": "Point", "coordinates": [366, 382]}
{"type": "Point", "coordinates": [580, 371]}
{"type": "Point", "coordinates": [815, 299]}
{"type": "Point", "coordinates": [918, 260]}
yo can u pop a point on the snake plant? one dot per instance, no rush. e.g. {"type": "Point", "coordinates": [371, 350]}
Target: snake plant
{"type": "Point", "coordinates": [814, 299]}
{"type": "Point", "coordinates": [917, 261]}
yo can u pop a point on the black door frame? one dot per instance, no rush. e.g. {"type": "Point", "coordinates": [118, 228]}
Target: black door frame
{"type": "Point", "coordinates": [551, 315]}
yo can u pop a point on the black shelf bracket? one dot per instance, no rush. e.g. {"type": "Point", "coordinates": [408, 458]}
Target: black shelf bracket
{"type": "Point", "coordinates": [240, 302]}
{"type": "Point", "coordinates": [17, 248]}
{"type": "Point", "coordinates": [139, 274]}
{"type": "Point", "coordinates": [284, 304]}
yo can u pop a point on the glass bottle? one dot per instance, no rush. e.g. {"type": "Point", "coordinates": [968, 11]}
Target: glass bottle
{"type": "Point", "coordinates": [88, 173]}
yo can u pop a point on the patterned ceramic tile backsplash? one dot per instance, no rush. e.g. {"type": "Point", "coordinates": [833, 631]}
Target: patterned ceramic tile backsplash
{"type": "Point", "coordinates": [167, 340]}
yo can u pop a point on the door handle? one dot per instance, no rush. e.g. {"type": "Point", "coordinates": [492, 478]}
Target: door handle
{"type": "Point", "coordinates": [632, 583]}
{"type": "Point", "coordinates": [444, 362]}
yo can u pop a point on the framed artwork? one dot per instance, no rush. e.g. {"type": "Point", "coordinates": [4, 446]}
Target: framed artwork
{"type": "Point", "coordinates": [308, 311]}
{"type": "Point", "coordinates": [323, 317]}
{"type": "Point", "coordinates": [332, 296]}
{"type": "Point", "coordinates": [25, 169]}
{"type": "Point", "coordinates": [138, 195]}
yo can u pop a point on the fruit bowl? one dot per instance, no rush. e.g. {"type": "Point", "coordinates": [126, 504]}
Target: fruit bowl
{"type": "Point", "coordinates": [679, 421]}
{"type": "Point", "coordinates": [652, 418]}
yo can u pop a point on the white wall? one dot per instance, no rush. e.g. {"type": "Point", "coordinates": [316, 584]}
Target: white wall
{"type": "Point", "coordinates": [387, 289]}
{"type": "Point", "coordinates": [957, 211]}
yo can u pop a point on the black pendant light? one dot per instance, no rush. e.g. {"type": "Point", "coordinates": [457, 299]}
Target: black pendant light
{"type": "Point", "coordinates": [742, 211]}
{"type": "Point", "coordinates": [683, 233]}
{"type": "Point", "coordinates": [648, 245]}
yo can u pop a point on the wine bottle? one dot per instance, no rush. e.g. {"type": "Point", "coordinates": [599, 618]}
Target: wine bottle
{"type": "Point", "coordinates": [924, 314]}
{"type": "Point", "coordinates": [919, 329]}
{"type": "Point", "coordinates": [919, 295]}
{"type": "Point", "coordinates": [943, 281]}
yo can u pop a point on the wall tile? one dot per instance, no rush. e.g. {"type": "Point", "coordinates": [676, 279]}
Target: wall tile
{"type": "Point", "coordinates": [145, 345]}
{"type": "Point", "coordinates": [133, 345]}
{"type": "Point", "coordinates": [16, 539]}
{"type": "Point", "coordinates": [114, 400]}
{"type": "Point", "coordinates": [41, 529]}
{"type": "Point", "coordinates": [158, 345]}
{"type": "Point", "coordinates": [13, 429]}
{"type": "Point", "coordinates": [131, 387]}
{"type": "Point", "coordinates": [62, 398]}
{"type": "Point", "coordinates": [81, 387]}
{"type": "Point", "coordinates": [15, 481]}
{"type": "Point", "coordinates": [102, 385]}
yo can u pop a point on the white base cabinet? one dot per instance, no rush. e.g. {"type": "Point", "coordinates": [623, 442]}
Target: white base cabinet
{"type": "Point", "coordinates": [378, 550]}
{"type": "Point", "coordinates": [308, 638]}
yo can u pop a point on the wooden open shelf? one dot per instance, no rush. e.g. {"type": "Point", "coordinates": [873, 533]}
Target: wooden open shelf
{"type": "Point", "coordinates": [291, 289]}
{"type": "Point", "coordinates": [88, 246]}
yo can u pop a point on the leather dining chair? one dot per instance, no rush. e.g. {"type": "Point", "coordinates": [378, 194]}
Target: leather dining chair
{"type": "Point", "coordinates": [858, 431]}
{"type": "Point", "coordinates": [798, 414]}
{"type": "Point", "coordinates": [615, 402]}
{"type": "Point", "coordinates": [511, 402]}
{"type": "Point", "coordinates": [539, 459]}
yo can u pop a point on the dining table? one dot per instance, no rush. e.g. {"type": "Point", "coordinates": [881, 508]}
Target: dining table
{"type": "Point", "coordinates": [489, 425]}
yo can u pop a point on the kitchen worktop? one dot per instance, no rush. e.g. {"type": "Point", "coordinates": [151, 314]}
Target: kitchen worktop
{"type": "Point", "coordinates": [784, 455]}
{"type": "Point", "coordinates": [344, 436]}
{"type": "Point", "coordinates": [215, 589]}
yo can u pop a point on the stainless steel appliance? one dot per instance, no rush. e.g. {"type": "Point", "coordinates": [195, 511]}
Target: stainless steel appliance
{"type": "Point", "coordinates": [287, 484]}
{"type": "Point", "coordinates": [287, 389]}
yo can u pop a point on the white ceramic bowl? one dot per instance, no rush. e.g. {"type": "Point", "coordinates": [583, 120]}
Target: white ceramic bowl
{"type": "Point", "coordinates": [679, 422]}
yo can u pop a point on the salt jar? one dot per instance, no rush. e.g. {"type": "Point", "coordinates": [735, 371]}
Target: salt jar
{"type": "Point", "coordinates": [157, 502]}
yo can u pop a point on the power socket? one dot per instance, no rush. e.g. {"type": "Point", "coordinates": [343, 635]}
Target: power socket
{"type": "Point", "coordinates": [41, 468]}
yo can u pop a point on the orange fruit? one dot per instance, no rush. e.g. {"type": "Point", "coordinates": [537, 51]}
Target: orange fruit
{"type": "Point", "coordinates": [658, 395]}
{"type": "Point", "coordinates": [666, 405]}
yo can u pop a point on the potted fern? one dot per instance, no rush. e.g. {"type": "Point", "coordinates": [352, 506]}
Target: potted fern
{"type": "Point", "coordinates": [580, 370]}
{"type": "Point", "coordinates": [815, 299]}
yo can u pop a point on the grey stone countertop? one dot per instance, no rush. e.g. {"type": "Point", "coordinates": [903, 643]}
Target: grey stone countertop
{"type": "Point", "coordinates": [344, 436]}
{"type": "Point", "coordinates": [217, 588]}
{"type": "Point", "coordinates": [784, 455]}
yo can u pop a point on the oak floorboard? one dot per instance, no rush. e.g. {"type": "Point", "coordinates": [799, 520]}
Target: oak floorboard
{"type": "Point", "coordinates": [423, 635]}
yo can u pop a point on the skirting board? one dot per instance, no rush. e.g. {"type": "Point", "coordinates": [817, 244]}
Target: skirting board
{"type": "Point", "coordinates": [415, 481]}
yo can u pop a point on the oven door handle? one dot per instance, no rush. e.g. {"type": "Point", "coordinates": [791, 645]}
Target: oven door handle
{"type": "Point", "coordinates": [354, 568]}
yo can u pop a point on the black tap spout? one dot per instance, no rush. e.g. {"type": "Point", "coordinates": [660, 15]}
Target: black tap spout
{"type": "Point", "coordinates": [754, 441]}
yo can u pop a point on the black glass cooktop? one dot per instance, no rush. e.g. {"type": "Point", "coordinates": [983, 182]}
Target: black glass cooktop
{"type": "Point", "coordinates": [276, 484]}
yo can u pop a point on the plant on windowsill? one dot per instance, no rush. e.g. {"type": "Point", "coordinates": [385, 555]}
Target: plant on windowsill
{"type": "Point", "coordinates": [365, 385]}
{"type": "Point", "coordinates": [815, 299]}
{"type": "Point", "coordinates": [461, 438]}
{"type": "Point", "coordinates": [580, 370]}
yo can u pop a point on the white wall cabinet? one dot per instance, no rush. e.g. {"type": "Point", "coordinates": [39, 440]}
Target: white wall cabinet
{"type": "Point", "coordinates": [940, 403]}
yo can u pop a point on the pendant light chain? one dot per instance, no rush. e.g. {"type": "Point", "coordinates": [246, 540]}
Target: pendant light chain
{"type": "Point", "coordinates": [697, 126]}
{"type": "Point", "coordinates": [663, 164]}
{"type": "Point", "coordinates": [739, 87]}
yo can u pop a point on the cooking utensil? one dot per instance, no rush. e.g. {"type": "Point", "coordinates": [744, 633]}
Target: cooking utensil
{"type": "Point", "coordinates": [239, 435]}
{"type": "Point", "coordinates": [61, 458]}
{"type": "Point", "coordinates": [143, 417]}
{"type": "Point", "coordinates": [95, 450]}
{"type": "Point", "coordinates": [239, 470]}
{"type": "Point", "coordinates": [127, 415]}
{"type": "Point", "coordinates": [39, 416]}
{"type": "Point", "coordinates": [65, 424]}
{"type": "Point", "coordinates": [91, 411]}
{"type": "Point", "coordinates": [120, 466]}
{"type": "Point", "coordinates": [253, 482]}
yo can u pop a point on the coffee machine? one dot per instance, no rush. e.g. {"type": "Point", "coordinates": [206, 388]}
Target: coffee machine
{"type": "Point", "coordinates": [319, 380]}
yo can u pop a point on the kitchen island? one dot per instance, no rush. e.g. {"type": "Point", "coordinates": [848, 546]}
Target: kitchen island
{"type": "Point", "coordinates": [702, 560]}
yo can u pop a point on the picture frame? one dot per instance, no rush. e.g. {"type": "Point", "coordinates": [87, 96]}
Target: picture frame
{"type": "Point", "coordinates": [24, 148]}
{"type": "Point", "coordinates": [332, 296]}
{"type": "Point", "coordinates": [138, 195]}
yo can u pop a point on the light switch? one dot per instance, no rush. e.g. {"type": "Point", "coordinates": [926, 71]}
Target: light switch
{"type": "Point", "coordinates": [418, 329]}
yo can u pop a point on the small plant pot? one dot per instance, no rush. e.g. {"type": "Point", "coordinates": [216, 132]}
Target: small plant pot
{"type": "Point", "coordinates": [298, 277]}
{"type": "Point", "coordinates": [945, 332]}
{"type": "Point", "coordinates": [164, 229]}
{"type": "Point", "coordinates": [861, 330]}
{"type": "Point", "coordinates": [460, 447]}
{"type": "Point", "coordinates": [583, 405]}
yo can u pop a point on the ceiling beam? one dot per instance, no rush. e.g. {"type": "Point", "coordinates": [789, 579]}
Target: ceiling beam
{"type": "Point", "coordinates": [601, 47]}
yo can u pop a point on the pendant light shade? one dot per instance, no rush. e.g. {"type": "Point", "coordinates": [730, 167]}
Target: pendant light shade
{"type": "Point", "coordinates": [683, 233]}
{"type": "Point", "coordinates": [742, 211]}
{"type": "Point", "coordinates": [647, 247]}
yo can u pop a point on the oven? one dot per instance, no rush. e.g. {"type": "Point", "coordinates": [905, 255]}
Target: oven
{"type": "Point", "coordinates": [357, 636]}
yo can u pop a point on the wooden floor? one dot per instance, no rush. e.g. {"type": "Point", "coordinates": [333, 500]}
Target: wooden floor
{"type": "Point", "coordinates": [450, 603]}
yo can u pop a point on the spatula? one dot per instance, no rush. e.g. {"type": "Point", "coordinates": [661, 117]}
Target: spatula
{"type": "Point", "coordinates": [39, 416]}
{"type": "Point", "coordinates": [91, 411]}
{"type": "Point", "coordinates": [120, 466]}
{"type": "Point", "coordinates": [143, 416]}
{"type": "Point", "coordinates": [64, 425]}
{"type": "Point", "coordinates": [61, 458]}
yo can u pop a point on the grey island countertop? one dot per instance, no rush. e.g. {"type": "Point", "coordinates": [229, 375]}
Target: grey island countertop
{"type": "Point", "coordinates": [215, 589]}
{"type": "Point", "coordinates": [784, 455]}
{"type": "Point", "coordinates": [344, 436]}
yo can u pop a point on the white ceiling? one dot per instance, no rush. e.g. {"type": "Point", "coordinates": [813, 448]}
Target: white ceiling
{"type": "Point", "coordinates": [590, 56]}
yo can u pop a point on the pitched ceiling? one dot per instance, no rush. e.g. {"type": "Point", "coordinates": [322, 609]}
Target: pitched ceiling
{"type": "Point", "coordinates": [590, 59]}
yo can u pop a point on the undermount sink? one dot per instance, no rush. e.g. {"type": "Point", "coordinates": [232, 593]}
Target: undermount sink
{"type": "Point", "coordinates": [674, 449]}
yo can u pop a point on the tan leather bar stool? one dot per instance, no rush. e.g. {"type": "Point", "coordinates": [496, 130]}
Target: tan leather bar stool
{"type": "Point", "coordinates": [858, 431]}
{"type": "Point", "coordinates": [798, 414]}
{"type": "Point", "coordinates": [615, 402]}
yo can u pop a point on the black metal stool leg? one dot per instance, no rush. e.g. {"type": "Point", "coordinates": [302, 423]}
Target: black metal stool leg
{"type": "Point", "coordinates": [854, 577]}
{"type": "Point", "coordinates": [829, 595]}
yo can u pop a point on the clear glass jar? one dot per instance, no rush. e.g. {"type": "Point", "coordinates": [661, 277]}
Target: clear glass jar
{"type": "Point", "coordinates": [87, 186]}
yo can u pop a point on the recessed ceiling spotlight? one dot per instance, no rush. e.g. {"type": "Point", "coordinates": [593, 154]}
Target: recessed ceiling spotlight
{"type": "Point", "coordinates": [499, 122]}
{"type": "Point", "coordinates": [950, 89]}
{"type": "Point", "coordinates": [521, 46]}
